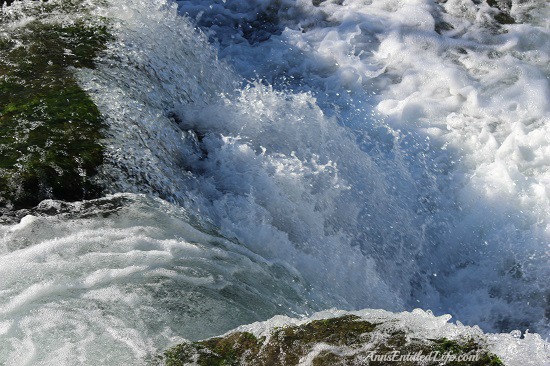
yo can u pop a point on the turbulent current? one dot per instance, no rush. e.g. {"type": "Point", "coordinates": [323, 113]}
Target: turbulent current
{"type": "Point", "coordinates": [287, 156]}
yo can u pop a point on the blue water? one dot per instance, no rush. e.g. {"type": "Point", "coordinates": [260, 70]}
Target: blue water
{"type": "Point", "coordinates": [278, 157]}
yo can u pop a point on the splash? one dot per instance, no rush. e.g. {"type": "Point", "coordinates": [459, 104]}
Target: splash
{"type": "Point", "coordinates": [295, 156]}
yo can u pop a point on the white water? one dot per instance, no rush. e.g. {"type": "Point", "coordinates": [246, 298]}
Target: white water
{"type": "Point", "coordinates": [113, 289]}
{"type": "Point", "coordinates": [376, 164]}
{"type": "Point", "coordinates": [417, 324]}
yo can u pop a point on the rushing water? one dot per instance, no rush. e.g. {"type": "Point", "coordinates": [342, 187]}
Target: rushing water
{"type": "Point", "coordinates": [281, 157]}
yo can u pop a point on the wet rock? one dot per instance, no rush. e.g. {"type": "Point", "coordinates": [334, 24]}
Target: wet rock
{"type": "Point", "coordinates": [344, 340]}
{"type": "Point", "coordinates": [50, 130]}
{"type": "Point", "coordinates": [102, 207]}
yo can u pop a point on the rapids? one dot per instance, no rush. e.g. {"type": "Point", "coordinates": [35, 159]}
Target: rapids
{"type": "Point", "coordinates": [285, 157]}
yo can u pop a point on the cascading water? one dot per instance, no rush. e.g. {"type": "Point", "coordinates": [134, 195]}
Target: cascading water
{"type": "Point", "coordinates": [336, 154]}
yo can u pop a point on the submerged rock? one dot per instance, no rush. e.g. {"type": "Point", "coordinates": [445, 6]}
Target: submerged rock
{"type": "Point", "coordinates": [367, 337]}
{"type": "Point", "coordinates": [103, 207]}
{"type": "Point", "coordinates": [502, 15]}
{"type": "Point", "coordinates": [50, 130]}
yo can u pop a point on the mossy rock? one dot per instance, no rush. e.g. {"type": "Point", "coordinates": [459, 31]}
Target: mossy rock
{"type": "Point", "coordinates": [50, 130]}
{"type": "Point", "coordinates": [347, 340]}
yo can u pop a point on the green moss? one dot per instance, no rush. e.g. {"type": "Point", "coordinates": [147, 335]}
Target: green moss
{"type": "Point", "coordinates": [285, 346]}
{"type": "Point", "coordinates": [232, 350]}
{"type": "Point", "coordinates": [468, 346]}
{"type": "Point", "coordinates": [178, 354]}
{"type": "Point", "coordinates": [445, 345]}
{"type": "Point", "coordinates": [327, 358]}
{"type": "Point", "coordinates": [235, 349]}
{"type": "Point", "coordinates": [346, 330]}
{"type": "Point", "coordinates": [346, 336]}
{"type": "Point", "coordinates": [49, 128]}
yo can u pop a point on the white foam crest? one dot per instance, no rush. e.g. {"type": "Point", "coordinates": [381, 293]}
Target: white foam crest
{"type": "Point", "coordinates": [464, 137]}
{"type": "Point", "coordinates": [247, 160]}
{"type": "Point", "coordinates": [157, 61]}
{"type": "Point", "coordinates": [279, 189]}
{"type": "Point", "coordinates": [113, 290]}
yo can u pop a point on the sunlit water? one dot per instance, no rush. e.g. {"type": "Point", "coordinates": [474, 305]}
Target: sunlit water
{"type": "Point", "coordinates": [293, 158]}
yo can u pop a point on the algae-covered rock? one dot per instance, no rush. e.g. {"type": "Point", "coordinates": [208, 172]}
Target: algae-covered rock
{"type": "Point", "coordinates": [50, 130]}
{"type": "Point", "coordinates": [342, 340]}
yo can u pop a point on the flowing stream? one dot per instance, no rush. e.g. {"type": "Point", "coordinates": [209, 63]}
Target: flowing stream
{"type": "Point", "coordinates": [287, 156]}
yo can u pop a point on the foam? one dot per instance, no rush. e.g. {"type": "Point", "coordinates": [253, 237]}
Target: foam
{"type": "Point", "coordinates": [118, 289]}
{"type": "Point", "coordinates": [340, 155]}
{"type": "Point", "coordinates": [454, 119]}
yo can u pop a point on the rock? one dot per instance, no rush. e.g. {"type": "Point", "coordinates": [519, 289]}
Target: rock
{"type": "Point", "coordinates": [102, 207]}
{"type": "Point", "coordinates": [9, 2]}
{"type": "Point", "coordinates": [50, 130]}
{"type": "Point", "coordinates": [348, 339]}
